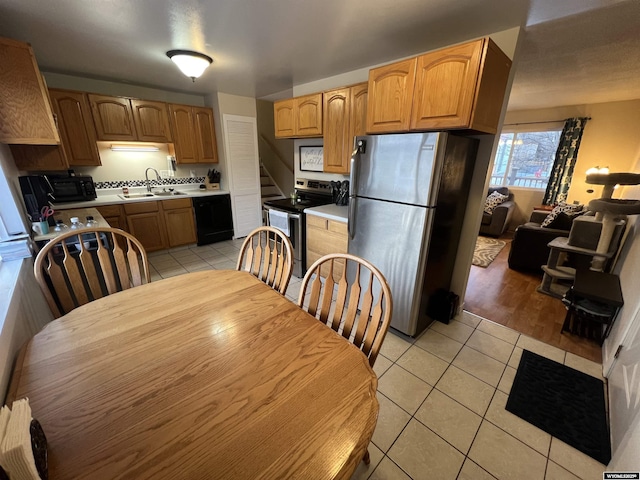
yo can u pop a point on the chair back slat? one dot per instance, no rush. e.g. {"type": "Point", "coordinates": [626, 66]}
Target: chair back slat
{"type": "Point", "coordinates": [74, 277]}
{"type": "Point", "coordinates": [365, 311]}
{"type": "Point", "coordinates": [353, 307]}
{"type": "Point", "coordinates": [66, 270]}
{"type": "Point", "coordinates": [89, 270]}
{"type": "Point", "coordinates": [59, 285]}
{"type": "Point", "coordinates": [121, 264]}
{"type": "Point", "coordinates": [267, 254]}
{"type": "Point", "coordinates": [134, 265]}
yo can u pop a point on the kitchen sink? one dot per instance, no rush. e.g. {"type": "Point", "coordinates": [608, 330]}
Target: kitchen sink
{"type": "Point", "coordinates": [163, 193]}
{"type": "Point", "coordinates": [135, 195]}
{"type": "Point", "coordinates": [168, 193]}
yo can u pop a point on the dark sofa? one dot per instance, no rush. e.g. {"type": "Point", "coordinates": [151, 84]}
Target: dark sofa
{"type": "Point", "coordinates": [494, 224]}
{"type": "Point", "coordinates": [529, 250]}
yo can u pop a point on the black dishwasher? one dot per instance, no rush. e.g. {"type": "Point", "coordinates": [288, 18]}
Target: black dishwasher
{"type": "Point", "coordinates": [214, 222]}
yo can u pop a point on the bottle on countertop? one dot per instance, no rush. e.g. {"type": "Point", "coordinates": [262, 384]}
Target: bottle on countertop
{"type": "Point", "coordinates": [75, 223]}
{"type": "Point", "coordinates": [60, 226]}
{"type": "Point", "coordinates": [91, 222]}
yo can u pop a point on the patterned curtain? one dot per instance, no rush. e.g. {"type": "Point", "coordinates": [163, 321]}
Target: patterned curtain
{"type": "Point", "coordinates": [566, 156]}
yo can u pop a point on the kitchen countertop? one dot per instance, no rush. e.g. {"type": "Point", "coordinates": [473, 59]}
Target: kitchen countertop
{"type": "Point", "coordinates": [339, 213]}
{"type": "Point", "coordinates": [111, 196]}
{"type": "Point", "coordinates": [65, 215]}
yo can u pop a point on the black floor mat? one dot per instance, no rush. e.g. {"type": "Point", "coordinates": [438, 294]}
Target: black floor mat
{"type": "Point", "coordinates": [563, 402]}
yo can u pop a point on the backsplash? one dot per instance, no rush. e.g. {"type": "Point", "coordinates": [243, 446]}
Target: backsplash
{"type": "Point", "coordinates": [153, 182]}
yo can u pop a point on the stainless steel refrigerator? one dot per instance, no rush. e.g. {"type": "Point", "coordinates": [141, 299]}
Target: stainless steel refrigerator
{"type": "Point", "coordinates": [406, 208]}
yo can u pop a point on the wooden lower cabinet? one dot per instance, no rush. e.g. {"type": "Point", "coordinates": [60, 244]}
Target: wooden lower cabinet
{"type": "Point", "coordinates": [114, 215]}
{"type": "Point", "coordinates": [326, 236]}
{"type": "Point", "coordinates": [145, 222]}
{"type": "Point", "coordinates": [178, 218]}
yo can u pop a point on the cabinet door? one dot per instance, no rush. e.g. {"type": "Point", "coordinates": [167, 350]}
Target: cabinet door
{"type": "Point", "coordinates": [357, 118]}
{"type": "Point", "coordinates": [336, 130]}
{"type": "Point", "coordinates": [308, 115]}
{"type": "Point", "coordinates": [323, 237]}
{"type": "Point", "coordinates": [284, 119]}
{"type": "Point", "coordinates": [113, 118]}
{"type": "Point", "coordinates": [37, 158]}
{"type": "Point", "coordinates": [445, 87]}
{"type": "Point", "coordinates": [76, 126]}
{"type": "Point", "coordinates": [206, 146]}
{"type": "Point", "coordinates": [184, 137]}
{"type": "Point", "coordinates": [390, 97]}
{"type": "Point", "coordinates": [151, 120]}
{"type": "Point", "coordinates": [181, 229]}
{"type": "Point", "coordinates": [149, 229]}
{"type": "Point", "coordinates": [25, 113]}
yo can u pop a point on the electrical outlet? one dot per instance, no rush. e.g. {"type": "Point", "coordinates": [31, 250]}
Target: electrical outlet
{"type": "Point", "coordinates": [192, 173]}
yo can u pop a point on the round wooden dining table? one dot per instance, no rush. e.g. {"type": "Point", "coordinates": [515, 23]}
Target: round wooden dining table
{"type": "Point", "coordinates": [207, 375]}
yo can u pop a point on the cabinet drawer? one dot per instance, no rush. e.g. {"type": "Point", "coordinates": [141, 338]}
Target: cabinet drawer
{"type": "Point", "coordinates": [109, 210]}
{"type": "Point", "coordinates": [338, 227]}
{"type": "Point", "coordinates": [315, 221]}
{"type": "Point", "coordinates": [177, 203]}
{"type": "Point", "coordinates": [324, 242]}
{"type": "Point", "coordinates": [143, 207]}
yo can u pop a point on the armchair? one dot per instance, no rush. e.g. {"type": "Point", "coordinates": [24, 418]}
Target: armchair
{"type": "Point", "coordinates": [494, 224]}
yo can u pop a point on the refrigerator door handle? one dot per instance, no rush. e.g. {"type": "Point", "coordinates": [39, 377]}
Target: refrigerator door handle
{"type": "Point", "coordinates": [351, 221]}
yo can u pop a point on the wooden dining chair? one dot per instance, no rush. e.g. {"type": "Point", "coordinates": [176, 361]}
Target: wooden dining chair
{"type": "Point", "coordinates": [267, 253]}
{"type": "Point", "coordinates": [359, 308]}
{"type": "Point", "coordinates": [83, 265]}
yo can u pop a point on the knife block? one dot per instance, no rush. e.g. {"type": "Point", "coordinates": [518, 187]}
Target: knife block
{"type": "Point", "coordinates": [211, 186]}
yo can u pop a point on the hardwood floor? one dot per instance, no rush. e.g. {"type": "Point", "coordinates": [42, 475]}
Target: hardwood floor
{"type": "Point", "coordinates": [509, 297]}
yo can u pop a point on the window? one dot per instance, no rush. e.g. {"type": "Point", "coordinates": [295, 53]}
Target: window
{"type": "Point", "coordinates": [525, 159]}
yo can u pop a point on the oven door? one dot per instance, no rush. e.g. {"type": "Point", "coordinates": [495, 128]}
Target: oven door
{"type": "Point", "coordinates": [296, 236]}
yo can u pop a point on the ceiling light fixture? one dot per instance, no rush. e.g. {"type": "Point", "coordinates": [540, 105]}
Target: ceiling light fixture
{"type": "Point", "coordinates": [134, 148]}
{"type": "Point", "coordinates": [192, 64]}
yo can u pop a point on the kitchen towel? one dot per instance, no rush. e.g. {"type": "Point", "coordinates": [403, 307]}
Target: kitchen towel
{"type": "Point", "coordinates": [279, 220]}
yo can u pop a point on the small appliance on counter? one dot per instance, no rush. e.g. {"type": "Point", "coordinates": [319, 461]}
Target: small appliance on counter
{"type": "Point", "coordinates": [43, 190]}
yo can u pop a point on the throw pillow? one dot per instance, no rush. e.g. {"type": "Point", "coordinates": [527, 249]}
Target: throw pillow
{"type": "Point", "coordinates": [561, 207]}
{"type": "Point", "coordinates": [564, 220]}
{"type": "Point", "coordinates": [493, 201]}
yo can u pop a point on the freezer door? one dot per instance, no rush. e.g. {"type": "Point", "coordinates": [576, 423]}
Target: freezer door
{"type": "Point", "coordinates": [399, 168]}
{"type": "Point", "coordinates": [391, 236]}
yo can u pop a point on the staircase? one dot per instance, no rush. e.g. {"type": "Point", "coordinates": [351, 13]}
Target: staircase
{"type": "Point", "coordinates": [269, 191]}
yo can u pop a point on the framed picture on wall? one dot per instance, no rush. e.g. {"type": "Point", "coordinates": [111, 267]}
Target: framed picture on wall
{"type": "Point", "coordinates": [311, 159]}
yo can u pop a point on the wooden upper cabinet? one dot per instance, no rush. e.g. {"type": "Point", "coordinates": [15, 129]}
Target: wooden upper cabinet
{"type": "Point", "coordinates": [151, 120]}
{"type": "Point", "coordinates": [359, 97]}
{"type": "Point", "coordinates": [284, 118]}
{"type": "Point", "coordinates": [390, 97]}
{"type": "Point", "coordinates": [38, 158]}
{"type": "Point", "coordinates": [298, 117]}
{"type": "Point", "coordinates": [445, 87]}
{"type": "Point", "coordinates": [194, 135]}
{"type": "Point", "coordinates": [309, 115]}
{"type": "Point", "coordinates": [183, 133]}
{"type": "Point", "coordinates": [336, 129]}
{"type": "Point", "coordinates": [76, 126]}
{"type": "Point", "coordinates": [206, 145]}
{"type": "Point", "coordinates": [25, 113]}
{"type": "Point", "coordinates": [113, 118]}
{"type": "Point", "coordinates": [461, 87]}
{"type": "Point", "coordinates": [344, 112]}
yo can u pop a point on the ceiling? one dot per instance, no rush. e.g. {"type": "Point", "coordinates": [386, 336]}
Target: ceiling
{"type": "Point", "coordinates": [574, 51]}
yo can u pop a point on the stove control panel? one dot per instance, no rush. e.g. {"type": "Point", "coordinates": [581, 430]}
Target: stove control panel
{"type": "Point", "coordinates": [317, 186]}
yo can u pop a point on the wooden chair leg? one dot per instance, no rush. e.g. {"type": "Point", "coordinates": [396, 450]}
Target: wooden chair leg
{"type": "Point", "coordinates": [367, 458]}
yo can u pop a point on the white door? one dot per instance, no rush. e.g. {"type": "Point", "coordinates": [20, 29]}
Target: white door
{"type": "Point", "coordinates": [241, 145]}
{"type": "Point", "coordinates": [624, 403]}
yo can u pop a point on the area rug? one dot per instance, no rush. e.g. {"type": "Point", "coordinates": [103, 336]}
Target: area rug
{"type": "Point", "coordinates": [563, 402]}
{"type": "Point", "coordinates": [486, 251]}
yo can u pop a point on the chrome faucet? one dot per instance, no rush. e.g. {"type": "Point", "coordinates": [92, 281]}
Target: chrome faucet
{"type": "Point", "coordinates": [146, 178]}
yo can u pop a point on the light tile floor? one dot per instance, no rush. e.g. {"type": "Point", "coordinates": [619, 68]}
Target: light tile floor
{"type": "Point", "coordinates": [441, 396]}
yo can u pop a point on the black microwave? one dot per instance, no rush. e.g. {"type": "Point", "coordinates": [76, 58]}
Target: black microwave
{"type": "Point", "coordinates": [41, 190]}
